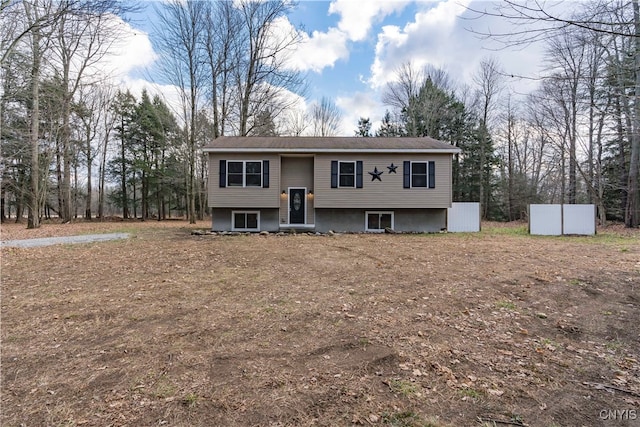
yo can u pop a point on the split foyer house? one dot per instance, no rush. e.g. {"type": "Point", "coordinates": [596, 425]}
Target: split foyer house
{"type": "Point", "coordinates": [329, 183]}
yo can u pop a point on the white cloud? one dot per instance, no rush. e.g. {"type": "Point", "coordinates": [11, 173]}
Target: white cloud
{"type": "Point", "coordinates": [322, 49]}
{"type": "Point", "coordinates": [131, 53]}
{"type": "Point", "coordinates": [426, 40]}
{"type": "Point", "coordinates": [440, 36]}
{"type": "Point", "coordinates": [170, 94]}
{"type": "Point", "coordinates": [319, 51]}
{"type": "Point", "coordinates": [358, 16]}
{"type": "Point", "coordinates": [132, 50]}
{"type": "Point", "coordinates": [355, 106]}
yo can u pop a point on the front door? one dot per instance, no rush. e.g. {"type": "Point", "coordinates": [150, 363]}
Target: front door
{"type": "Point", "coordinates": [297, 205]}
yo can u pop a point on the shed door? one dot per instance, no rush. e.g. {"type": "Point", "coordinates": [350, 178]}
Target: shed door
{"type": "Point", "coordinates": [297, 198]}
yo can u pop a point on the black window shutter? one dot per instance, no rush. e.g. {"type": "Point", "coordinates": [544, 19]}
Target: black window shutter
{"type": "Point", "coordinates": [334, 174]}
{"type": "Point", "coordinates": [432, 174]}
{"type": "Point", "coordinates": [223, 173]}
{"type": "Point", "coordinates": [359, 174]}
{"type": "Point", "coordinates": [406, 170]}
{"type": "Point", "coordinates": [265, 174]}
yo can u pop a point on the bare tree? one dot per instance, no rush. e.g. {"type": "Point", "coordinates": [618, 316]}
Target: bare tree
{"type": "Point", "coordinates": [632, 211]}
{"type": "Point", "coordinates": [91, 108]}
{"type": "Point", "coordinates": [181, 24]}
{"type": "Point", "coordinates": [262, 79]}
{"type": "Point", "coordinates": [534, 21]}
{"type": "Point", "coordinates": [83, 37]}
{"type": "Point", "coordinates": [407, 84]}
{"type": "Point", "coordinates": [607, 23]}
{"type": "Point", "coordinates": [39, 16]}
{"type": "Point", "coordinates": [326, 117]}
{"type": "Point", "coordinates": [568, 61]}
{"type": "Point", "coordinates": [489, 80]}
{"type": "Point", "coordinates": [107, 125]}
{"type": "Point", "coordinates": [295, 123]}
{"type": "Point", "coordinates": [222, 25]}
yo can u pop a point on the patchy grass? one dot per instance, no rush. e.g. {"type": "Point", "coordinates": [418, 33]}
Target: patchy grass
{"type": "Point", "coordinates": [505, 229]}
{"type": "Point", "coordinates": [403, 387]}
{"type": "Point", "coordinates": [508, 305]}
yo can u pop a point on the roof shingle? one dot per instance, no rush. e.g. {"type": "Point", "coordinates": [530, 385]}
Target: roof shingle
{"type": "Point", "coordinates": [306, 144]}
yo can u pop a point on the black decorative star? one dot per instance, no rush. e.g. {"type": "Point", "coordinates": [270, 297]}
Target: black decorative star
{"type": "Point", "coordinates": [392, 168]}
{"type": "Point", "coordinates": [375, 174]}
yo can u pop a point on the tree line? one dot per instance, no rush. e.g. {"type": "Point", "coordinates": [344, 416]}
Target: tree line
{"type": "Point", "coordinates": [61, 119]}
{"type": "Point", "coordinates": [574, 139]}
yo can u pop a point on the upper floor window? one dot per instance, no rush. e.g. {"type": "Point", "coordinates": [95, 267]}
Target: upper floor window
{"type": "Point", "coordinates": [244, 173]}
{"type": "Point", "coordinates": [419, 174]}
{"type": "Point", "coordinates": [346, 174]}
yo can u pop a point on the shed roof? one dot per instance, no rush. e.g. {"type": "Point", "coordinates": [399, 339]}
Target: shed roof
{"type": "Point", "coordinates": [308, 144]}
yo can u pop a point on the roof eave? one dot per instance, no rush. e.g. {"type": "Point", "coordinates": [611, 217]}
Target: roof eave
{"type": "Point", "coordinates": [452, 150]}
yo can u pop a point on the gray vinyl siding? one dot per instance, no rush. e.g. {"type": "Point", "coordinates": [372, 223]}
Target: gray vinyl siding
{"type": "Point", "coordinates": [221, 219]}
{"type": "Point", "coordinates": [387, 193]}
{"type": "Point", "coordinates": [405, 220]}
{"type": "Point", "coordinates": [296, 172]}
{"type": "Point", "coordinates": [244, 197]}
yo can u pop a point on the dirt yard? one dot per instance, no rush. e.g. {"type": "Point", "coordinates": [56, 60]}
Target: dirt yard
{"type": "Point", "coordinates": [171, 329]}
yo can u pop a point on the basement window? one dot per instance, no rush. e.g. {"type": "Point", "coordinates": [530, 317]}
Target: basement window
{"type": "Point", "coordinates": [245, 220]}
{"type": "Point", "coordinates": [378, 221]}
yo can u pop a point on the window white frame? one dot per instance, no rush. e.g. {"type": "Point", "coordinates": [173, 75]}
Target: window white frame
{"type": "Point", "coordinates": [340, 174]}
{"type": "Point", "coordinates": [426, 174]}
{"type": "Point", "coordinates": [234, 227]}
{"type": "Point", "coordinates": [244, 173]}
{"type": "Point", "coordinates": [379, 214]}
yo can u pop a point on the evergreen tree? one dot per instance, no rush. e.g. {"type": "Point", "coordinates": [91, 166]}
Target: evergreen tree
{"type": "Point", "coordinates": [120, 167]}
{"type": "Point", "coordinates": [389, 128]}
{"type": "Point", "coordinates": [364, 127]}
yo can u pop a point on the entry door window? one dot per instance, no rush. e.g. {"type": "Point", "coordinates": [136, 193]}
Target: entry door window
{"type": "Point", "coordinates": [297, 205]}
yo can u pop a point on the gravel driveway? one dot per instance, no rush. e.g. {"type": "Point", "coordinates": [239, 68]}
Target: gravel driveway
{"type": "Point", "coordinates": [47, 241]}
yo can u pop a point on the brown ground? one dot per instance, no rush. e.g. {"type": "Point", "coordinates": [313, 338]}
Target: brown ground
{"type": "Point", "coordinates": [167, 328]}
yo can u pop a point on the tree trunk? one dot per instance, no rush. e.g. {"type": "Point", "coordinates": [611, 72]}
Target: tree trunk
{"type": "Point", "coordinates": [87, 209]}
{"type": "Point", "coordinates": [123, 179]}
{"type": "Point", "coordinates": [75, 191]}
{"type": "Point", "coordinates": [102, 174]}
{"type": "Point", "coordinates": [135, 208]}
{"type": "Point", "coordinates": [510, 166]}
{"type": "Point", "coordinates": [34, 205]}
{"type": "Point", "coordinates": [192, 154]}
{"type": "Point", "coordinates": [631, 211]}
{"type": "Point", "coordinates": [65, 134]}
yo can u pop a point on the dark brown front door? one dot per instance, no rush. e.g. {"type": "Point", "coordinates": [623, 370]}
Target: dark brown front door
{"type": "Point", "coordinates": [296, 205]}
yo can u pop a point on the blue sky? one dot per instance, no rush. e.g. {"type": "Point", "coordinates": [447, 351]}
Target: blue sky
{"type": "Point", "coordinates": [352, 48]}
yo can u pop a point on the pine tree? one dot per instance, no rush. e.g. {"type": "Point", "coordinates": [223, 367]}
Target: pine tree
{"type": "Point", "coordinates": [364, 127]}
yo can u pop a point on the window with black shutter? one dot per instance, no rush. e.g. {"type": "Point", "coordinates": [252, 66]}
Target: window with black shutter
{"type": "Point", "coordinates": [346, 174]}
{"type": "Point", "coordinates": [223, 173]}
{"type": "Point", "coordinates": [359, 174]}
{"type": "Point", "coordinates": [419, 174]}
{"type": "Point", "coordinates": [244, 173]}
{"type": "Point", "coordinates": [432, 174]}
{"type": "Point", "coordinates": [334, 174]}
{"type": "Point", "coordinates": [265, 174]}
